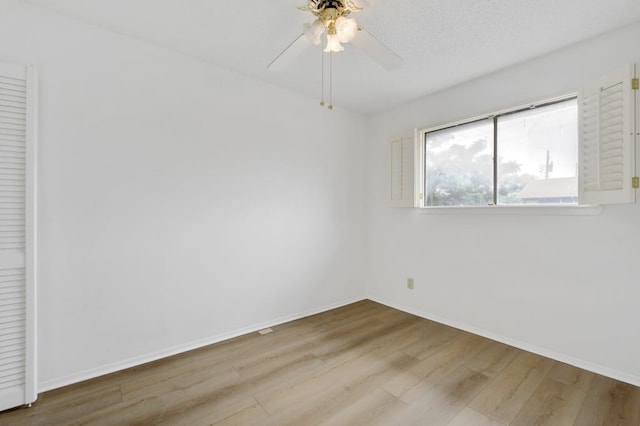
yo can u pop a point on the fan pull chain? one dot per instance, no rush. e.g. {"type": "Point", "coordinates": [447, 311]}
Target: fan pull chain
{"type": "Point", "coordinates": [322, 98]}
{"type": "Point", "coordinates": [330, 80]}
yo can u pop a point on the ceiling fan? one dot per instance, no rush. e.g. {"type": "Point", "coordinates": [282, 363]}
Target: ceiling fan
{"type": "Point", "coordinates": [334, 26]}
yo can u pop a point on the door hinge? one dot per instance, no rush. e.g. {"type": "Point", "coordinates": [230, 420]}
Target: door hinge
{"type": "Point", "coordinates": [635, 83]}
{"type": "Point", "coordinates": [635, 182]}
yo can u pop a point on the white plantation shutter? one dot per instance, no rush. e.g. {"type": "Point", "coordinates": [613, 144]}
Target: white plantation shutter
{"type": "Point", "coordinates": [401, 172]}
{"type": "Point", "coordinates": [607, 139]}
{"type": "Point", "coordinates": [17, 235]}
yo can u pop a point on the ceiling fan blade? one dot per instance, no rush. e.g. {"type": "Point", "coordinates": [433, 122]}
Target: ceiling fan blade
{"type": "Point", "coordinates": [373, 47]}
{"type": "Point", "coordinates": [363, 4]}
{"type": "Point", "coordinates": [290, 53]}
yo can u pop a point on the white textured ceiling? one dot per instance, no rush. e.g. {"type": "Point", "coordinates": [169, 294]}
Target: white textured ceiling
{"type": "Point", "coordinates": [443, 42]}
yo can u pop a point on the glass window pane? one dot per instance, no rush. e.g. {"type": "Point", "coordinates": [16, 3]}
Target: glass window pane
{"type": "Point", "coordinates": [538, 155]}
{"type": "Point", "coordinates": [459, 165]}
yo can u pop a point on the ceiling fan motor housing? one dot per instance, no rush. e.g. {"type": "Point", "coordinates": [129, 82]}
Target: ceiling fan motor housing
{"type": "Point", "coordinates": [328, 4]}
{"type": "Point", "coordinates": [328, 11]}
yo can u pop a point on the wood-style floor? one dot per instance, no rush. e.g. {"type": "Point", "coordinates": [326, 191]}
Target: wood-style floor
{"type": "Point", "coordinates": [357, 365]}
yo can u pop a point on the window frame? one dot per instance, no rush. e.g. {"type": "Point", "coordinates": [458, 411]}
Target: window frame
{"type": "Point", "coordinates": [420, 165]}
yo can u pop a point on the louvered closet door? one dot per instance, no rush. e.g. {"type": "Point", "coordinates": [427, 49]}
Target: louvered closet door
{"type": "Point", "coordinates": [17, 231]}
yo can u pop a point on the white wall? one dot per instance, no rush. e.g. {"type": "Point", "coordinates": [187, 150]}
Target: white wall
{"type": "Point", "coordinates": [566, 286]}
{"type": "Point", "coordinates": [180, 203]}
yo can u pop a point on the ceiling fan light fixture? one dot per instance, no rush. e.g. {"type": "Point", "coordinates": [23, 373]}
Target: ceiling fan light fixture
{"type": "Point", "coordinates": [346, 28]}
{"type": "Point", "coordinates": [314, 31]}
{"type": "Point", "coordinates": [333, 43]}
{"type": "Point", "coordinates": [332, 19]}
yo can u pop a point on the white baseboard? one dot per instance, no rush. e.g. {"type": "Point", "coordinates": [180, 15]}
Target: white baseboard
{"type": "Point", "coordinates": [133, 362]}
{"type": "Point", "coordinates": [577, 362]}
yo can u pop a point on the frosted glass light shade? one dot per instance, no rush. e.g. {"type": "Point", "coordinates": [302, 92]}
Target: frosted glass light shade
{"type": "Point", "coordinates": [346, 28]}
{"type": "Point", "coordinates": [314, 31]}
{"type": "Point", "coordinates": [333, 44]}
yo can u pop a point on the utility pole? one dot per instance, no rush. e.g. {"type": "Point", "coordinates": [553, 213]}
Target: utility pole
{"type": "Point", "coordinates": [548, 166]}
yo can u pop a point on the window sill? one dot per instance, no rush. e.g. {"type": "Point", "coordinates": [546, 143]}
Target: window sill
{"type": "Point", "coordinates": [531, 210]}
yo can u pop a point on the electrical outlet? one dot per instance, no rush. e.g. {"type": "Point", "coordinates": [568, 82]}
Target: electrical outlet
{"type": "Point", "coordinates": [410, 283]}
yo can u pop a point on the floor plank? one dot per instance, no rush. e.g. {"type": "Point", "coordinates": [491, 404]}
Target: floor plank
{"type": "Point", "coordinates": [470, 417]}
{"type": "Point", "coordinates": [492, 359]}
{"type": "Point", "coordinates": [507, 394]}
{"type": "Point", "coordinates": [553, 403]}
{"type": "Point", "coordinates": [440, 403]}
{"type": "Point", "coordinates": [365, 410]}
{"type": "Point", "coordinates": [610, 402]}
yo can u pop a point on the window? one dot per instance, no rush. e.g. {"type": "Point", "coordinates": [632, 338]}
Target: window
{"type": "Point", "coordinates": [523, 156]}
{"type": "Point", "coordinates": [570, 151]}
